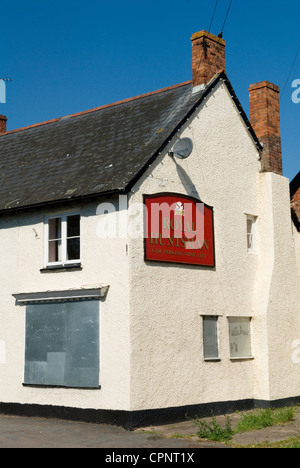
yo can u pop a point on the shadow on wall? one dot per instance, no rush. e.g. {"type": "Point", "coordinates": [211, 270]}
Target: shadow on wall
{"type": "Point", "coordinates": [186, 181]}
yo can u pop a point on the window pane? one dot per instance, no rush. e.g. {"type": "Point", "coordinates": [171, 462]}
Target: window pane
{"type": "Point", "coordinates": [45, 344]}
{"type": "Point", "coordinates": [54, 251]}
{"type": "Point", "coordinates": [249, 225]}
{"type": "Point", "coordinates": [73, 249]}
{"type": "Point", "coordinates": [239, 335]}
{"type": "Point", "coordinates": [55, 228]}
{"type": "Point", "coordinates": [62, 344]}
{"type": "Point", "coordinates": [82, 366]}
{"type": "Point", "coordinates": [210, 337]}
{"type": "Point", "coordinates": [250, 232]}
{"type": "Point", "coordinates": [250, 241]}
{"type": "Point", "coordinates": [73, 226]}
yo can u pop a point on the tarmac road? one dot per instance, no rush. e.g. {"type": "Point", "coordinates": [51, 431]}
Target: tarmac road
{"type": "Point", "coordinates": [23, 432]}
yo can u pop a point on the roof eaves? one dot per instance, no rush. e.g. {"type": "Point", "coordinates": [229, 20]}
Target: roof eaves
{"type": "Point", "coordinates": [53, 203]}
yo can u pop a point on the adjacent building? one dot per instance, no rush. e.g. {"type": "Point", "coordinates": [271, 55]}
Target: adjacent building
{"type": "Point", "coordinates": [295, 199]}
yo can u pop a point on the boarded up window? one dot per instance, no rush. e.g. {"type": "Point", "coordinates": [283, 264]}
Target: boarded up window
{"type": "Point", "coordinates": [210, 337]}
{"type": "Point", "coordinates": [240, 337]}
{"type": "Point", "coordinates": [62, 344]}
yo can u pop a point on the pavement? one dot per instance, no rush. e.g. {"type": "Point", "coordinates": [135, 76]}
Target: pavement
{"type": "Point", "coordinates": [25, 432]}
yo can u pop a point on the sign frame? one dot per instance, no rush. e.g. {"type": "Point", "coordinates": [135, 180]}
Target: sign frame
{"type": "Point", "coordinates": [208, 211]}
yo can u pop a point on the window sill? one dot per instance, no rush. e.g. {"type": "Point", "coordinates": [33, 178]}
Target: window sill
{"type": "Point", "coordinates": [60, 268]}
{"type": "Point", "coordinates": [212, 359]}
{"type": "Point", "coordinates": [60, 386]}
{"type": "Point", "coordinates": [246, 358]}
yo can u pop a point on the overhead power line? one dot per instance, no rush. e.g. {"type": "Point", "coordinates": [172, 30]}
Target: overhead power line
{"type": "Point", "coordinates": [292, 68]}
{"type": "Point", "coordinates": [226, 17]}
{"type": "Point", "coordinates": [213, 16]}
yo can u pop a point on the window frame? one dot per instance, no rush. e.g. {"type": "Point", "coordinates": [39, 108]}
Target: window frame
{"type": "Point", "coordinates": [249, 318]}
{"type": "Point", "coordinates": [64, 238]}
{"type": "Point", "coordinates": [252, 233]}
{"type": "Point", "coordinates": [211, 358]}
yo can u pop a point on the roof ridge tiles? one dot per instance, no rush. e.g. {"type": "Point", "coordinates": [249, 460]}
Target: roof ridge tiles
{"type": "Point", "coordinates": [95, 109]}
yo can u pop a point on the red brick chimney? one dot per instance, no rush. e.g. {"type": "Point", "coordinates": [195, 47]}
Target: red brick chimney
{"type": "Point", "coordinates": [265, 120]}
{"type": "Point", "coordinates": [208, 53]}
{"type": "Point", "coordinates": [3, 121]}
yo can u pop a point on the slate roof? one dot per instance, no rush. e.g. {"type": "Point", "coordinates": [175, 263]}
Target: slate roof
{"type": "Point", "coordinates": [96, 152]}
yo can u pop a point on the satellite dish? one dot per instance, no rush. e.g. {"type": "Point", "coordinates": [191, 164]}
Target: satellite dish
{"type": "Point", "coordinates": [183, 148]}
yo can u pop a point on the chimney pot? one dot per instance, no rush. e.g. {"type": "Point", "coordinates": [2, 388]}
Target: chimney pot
{"type": "Point", "coordinates": [265, 120]}
{"type": "Point", "coordinates": [3, 121]}
{"type": "Point", "coordinates": [208, 54]}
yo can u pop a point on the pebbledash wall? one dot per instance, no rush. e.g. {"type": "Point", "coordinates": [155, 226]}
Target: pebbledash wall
{"type": "Point", "coordinates": [167, 362]}
{"type": "Point", "coordinates": [22, 241]}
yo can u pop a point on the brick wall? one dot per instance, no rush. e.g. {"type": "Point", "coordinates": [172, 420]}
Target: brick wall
{"type": "Point", "coordinates": [3, 121]}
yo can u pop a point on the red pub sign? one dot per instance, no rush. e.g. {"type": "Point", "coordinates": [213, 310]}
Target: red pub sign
{"type": "Point", "coordinates": [178, 229]}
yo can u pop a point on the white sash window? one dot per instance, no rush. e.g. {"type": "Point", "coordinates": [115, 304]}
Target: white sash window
{"type": "Point", "coordinates": [62, 234]}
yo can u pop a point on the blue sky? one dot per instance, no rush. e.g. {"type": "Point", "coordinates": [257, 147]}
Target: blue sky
{"type": "Point", "coordinates": [69, 56]}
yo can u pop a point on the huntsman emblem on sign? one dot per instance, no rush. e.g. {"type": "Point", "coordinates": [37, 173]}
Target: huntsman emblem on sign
{"type": "Point", "coordinates": [178, 229]}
